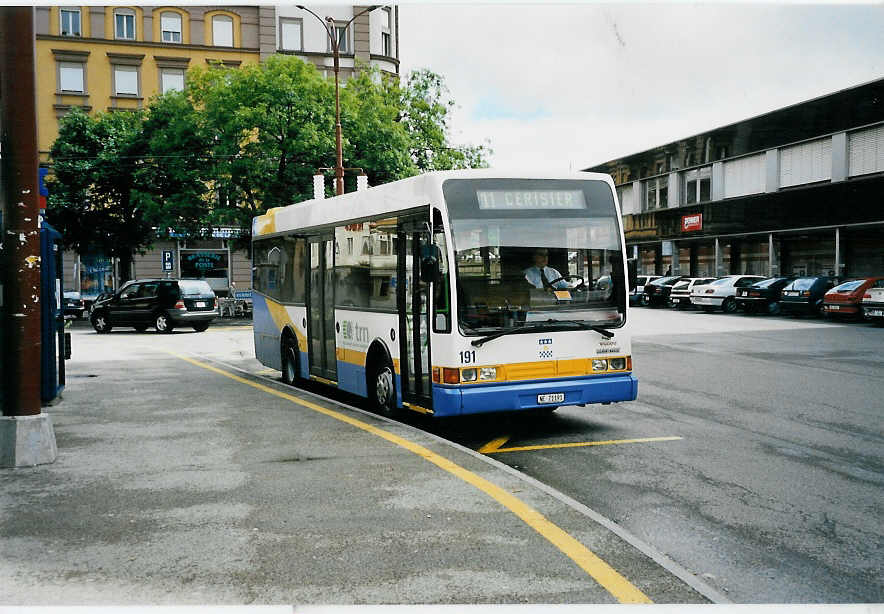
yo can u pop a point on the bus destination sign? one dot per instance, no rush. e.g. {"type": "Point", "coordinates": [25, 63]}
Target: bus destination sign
{"type": "Point", "coordinates": [531, 199]}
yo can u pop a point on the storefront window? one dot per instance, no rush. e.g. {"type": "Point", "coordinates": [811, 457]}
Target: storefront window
{"type": "Point", "coordinates": [96, 276]}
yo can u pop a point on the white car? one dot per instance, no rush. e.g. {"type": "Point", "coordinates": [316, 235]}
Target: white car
{"type": "Point", "coordinates": [638, 295]}
{"type": "Point", "coordinates": [873, 302]}
{"type": "Point", "coordinates": [680, 295]}
{"type": "Point", "coordinates": [719, 294]}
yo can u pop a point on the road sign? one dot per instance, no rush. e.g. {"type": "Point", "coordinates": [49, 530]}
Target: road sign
{"type": "Point", "coordinates": [167, 260]}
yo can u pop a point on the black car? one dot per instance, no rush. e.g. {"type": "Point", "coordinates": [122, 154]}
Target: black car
{"type": "Point", "coordinates": [762, 296]}
{"type": "Point", "coordinates": [805, 294]}
{"type": "Point", "coordinates": [161, 303]}
{"type": "Point", "coordinates": [658, 290]}
{"type": "Point", "coordinates": [73, 304]}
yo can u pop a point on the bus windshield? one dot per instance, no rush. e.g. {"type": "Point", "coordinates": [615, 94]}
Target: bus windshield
{"type": "Point", "coordinates": [535, 252]}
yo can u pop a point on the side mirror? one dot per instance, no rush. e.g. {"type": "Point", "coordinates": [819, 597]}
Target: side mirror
{"type": "Point", "coordinates": [429, 270]}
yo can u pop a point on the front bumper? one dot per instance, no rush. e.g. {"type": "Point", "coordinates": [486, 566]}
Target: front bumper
{"type": "Point", "coordinates": [482, 398]}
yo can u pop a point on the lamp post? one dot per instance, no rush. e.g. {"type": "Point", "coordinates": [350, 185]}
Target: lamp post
{"type": "Point", "coordinates": [331, 30]}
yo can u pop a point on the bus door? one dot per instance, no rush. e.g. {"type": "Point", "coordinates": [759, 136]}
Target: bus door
{"type": "Point", "coordinates": [321, 308]}
{"type": "Point", "coordinates": [414, 312]}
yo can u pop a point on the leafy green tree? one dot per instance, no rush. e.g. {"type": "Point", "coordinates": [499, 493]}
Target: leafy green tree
{"type": "Point", "coordinates": [93, 197]}
{"type": "Point", "coordinates": [173, 179]}
{"type": "Point", "coordinates": [272, 126]}
{"type": "Point", "coordinates": [426, 108]}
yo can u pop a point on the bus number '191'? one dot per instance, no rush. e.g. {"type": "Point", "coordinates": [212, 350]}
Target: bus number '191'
{"type": "Point", "coordinates": [468, 357]}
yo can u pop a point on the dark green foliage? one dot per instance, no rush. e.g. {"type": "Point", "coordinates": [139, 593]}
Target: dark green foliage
{"type": "Point", "coordinates": [236, 143]}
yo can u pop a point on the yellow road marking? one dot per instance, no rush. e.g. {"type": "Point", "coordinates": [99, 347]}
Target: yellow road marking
{"type": "Point", "coordinates": [618, 586]}
{"type": "Point", "coordinates": [494, 446]}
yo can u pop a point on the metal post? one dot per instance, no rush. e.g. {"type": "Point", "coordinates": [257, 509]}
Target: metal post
{"type": "Point", "coordinates": [26, 434]}
{"type": "Point", "coordinates": [339, 149]}
{"type": "Point", "coordinates": [22, 237]}
{"type": "Point", "coordinates": [331, 31]}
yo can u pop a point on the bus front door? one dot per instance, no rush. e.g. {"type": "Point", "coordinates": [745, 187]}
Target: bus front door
{"type": "Point", "coordinates": [321, 309]}
{"type": "Point", "coordinates": [413, 300]}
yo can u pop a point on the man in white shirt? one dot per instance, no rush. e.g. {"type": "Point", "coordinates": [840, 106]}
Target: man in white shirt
{"type": "Point", "coordinates": [540, 272]}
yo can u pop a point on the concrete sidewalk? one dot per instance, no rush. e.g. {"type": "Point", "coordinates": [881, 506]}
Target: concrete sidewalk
{"type": "Point", "coordinates": [181, 480]}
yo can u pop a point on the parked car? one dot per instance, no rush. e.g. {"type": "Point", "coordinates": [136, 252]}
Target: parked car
{"type": "Point", "coordinates": [805, 295]}
{"type": "Point", "coordinates": [873, 302]}
{"type": "Point", "coordinates": [720, 293]}
{"type": "Point", "coordinates": [161, 303]}
{"type": "Point", "coordinates": [637, 296]}
{"type": "Point", "coordinates": [845, 300]}
{"type": "Point", "coordinates": [762, 296]}
{"type": "Point", "coordinates": [73, 305]}
{"type": "Point", "coordinates": [657, 291]}
{"type": "Point", "coordinates": [680, 295]}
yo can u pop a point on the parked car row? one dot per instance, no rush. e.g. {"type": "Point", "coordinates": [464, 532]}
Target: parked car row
{"type": "Point", "coordinates": [827, 296]}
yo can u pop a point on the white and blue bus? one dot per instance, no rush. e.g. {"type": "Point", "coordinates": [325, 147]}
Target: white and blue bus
{"type": "Point", "coordinates": [450, 293]}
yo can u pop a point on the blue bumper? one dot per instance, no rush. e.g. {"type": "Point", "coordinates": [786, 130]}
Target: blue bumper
{"type": "Point", "coordinates": [486, 398]}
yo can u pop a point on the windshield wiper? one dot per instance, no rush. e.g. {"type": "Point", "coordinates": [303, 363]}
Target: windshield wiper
{"type": "Point", "coordinates": [539, 329]}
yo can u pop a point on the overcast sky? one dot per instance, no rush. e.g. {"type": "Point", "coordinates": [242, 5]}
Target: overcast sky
{"type": "Point", "coordinates": [559, 86]}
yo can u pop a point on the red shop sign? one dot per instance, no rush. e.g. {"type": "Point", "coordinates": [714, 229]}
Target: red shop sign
{"type": "Point", "coordinates": [692, 222]}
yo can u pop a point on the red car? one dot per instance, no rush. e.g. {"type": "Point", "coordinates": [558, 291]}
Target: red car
{"type": "Point", "coordinates": [845, 299]}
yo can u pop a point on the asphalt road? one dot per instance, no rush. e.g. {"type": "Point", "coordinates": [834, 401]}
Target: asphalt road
{"type": "Point", "coordinates": [753, 457]}
{"type": "Point", "coordinates": [774, 491]}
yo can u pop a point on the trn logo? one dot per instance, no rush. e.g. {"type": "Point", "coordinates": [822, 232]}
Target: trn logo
{"type": "Point", "coordinates": [544, 342]}
{"type": "Point", "coordinates": [353, 332]}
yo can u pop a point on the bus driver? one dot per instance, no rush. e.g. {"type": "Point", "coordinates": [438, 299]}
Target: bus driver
{"type": "Point", "coordinates": [542, 276]}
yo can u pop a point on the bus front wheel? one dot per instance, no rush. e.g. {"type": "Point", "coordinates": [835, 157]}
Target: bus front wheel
{"type": "Point", "coordinates": [382, 391]}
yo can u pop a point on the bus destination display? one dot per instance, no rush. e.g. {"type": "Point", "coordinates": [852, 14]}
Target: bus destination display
{"type": "Point", "coordinates": [531, 199]}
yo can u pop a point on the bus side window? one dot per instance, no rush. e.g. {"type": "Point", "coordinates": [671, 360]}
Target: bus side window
{"type": "Point", "coordinates": [441, 292]}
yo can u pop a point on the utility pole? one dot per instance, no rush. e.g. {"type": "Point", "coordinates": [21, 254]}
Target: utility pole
{"type": "Point", "coordinates": [26, 434]}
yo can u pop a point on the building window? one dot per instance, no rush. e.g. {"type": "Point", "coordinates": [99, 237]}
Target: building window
{"type": "Point", "coordinates": [70, 22]}
{"type": "Point", "coordinates": [126, 80]}
{"type": "Point", "coordinates": [171, 79]}
{"type": "Point", "coordinates": [387, 43]}
{"type": "Point", "coordinates": [698, 185]}
{"type": "Point", "coordinates": [171, 27]}
{"type": "Point", "coordinates": [341, 35]}
{"type": "Point", "coordinates": [222, 31]}
{"type": "Point", "coordinates": [124, 24]}
{"type": "Point", "coordinates": [290, 34]}
{"type": "Point", "coordinates": [656, 193]}
{"type": "Point", "coordinates": [71, 77]}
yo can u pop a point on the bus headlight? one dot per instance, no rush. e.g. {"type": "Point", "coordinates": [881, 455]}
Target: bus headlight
{"type": "Point", "coordinates": [487, 373]}
{"type": "Point", "coordinates": [468, 375]}
{"type": "Point", "coordinates": [599, 364]}
{"type": "Point", "coordinates": [617, 364]}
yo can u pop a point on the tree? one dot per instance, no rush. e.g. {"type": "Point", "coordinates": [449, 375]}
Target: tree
{"type": "Point", "coordinates": [272, 126]}
{"type": "Point", "coordinates": [93, 198]}
{"type": "Point", "coordinates": [172, 181]}
{"type": "Point", "coordinates": [425, 115]}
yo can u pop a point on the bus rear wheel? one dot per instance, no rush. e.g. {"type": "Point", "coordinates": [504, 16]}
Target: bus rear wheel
{"type": "Point", "coordinates": [289, 361]}
{"type": "Point", "coordinates": [382, 391]}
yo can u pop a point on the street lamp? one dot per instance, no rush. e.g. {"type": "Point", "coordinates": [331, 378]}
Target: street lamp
{"type": "Point", "coordinates": [331, 30]}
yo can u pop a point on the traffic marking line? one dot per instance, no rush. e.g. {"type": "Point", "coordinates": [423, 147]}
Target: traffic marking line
{"type": "Point", "coordinates": [607, 577]}
{"type": "Point", "coordinates": [495, 446]}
